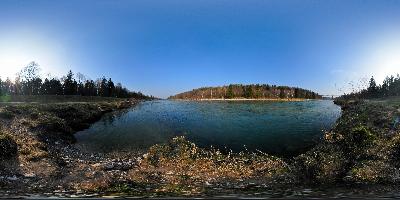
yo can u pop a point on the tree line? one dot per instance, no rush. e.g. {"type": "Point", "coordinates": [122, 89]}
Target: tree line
{"type": "Point", "coordinates": [254, 91]}
{"type": "Point", "coordinates": [389, 87]}
{"type": "Point", "coordinates": [29, 82]}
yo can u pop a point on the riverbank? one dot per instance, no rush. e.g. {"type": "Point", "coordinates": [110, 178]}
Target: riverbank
{"type": "Point", "coordinates": [13, 99]}
{"type": "Point", "coordinates": [361, 149]}
{"type": "Point", "coordinates": [36, 142]}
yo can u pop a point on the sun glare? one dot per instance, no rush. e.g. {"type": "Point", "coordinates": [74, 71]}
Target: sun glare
{"type": "Point", "coordinates": [387, 61]}
{"type": "Point", "coordinates": [380, 60]}
{"type": "Point", "coordinates": [15, 54]}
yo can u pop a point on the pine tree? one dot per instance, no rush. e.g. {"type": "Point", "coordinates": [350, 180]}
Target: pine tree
{"type": "Point", "coordinates": [248, 92]}
{"type": "Point", "coordinates": [372, 89]}
{"type": "Point", "coordinates": [70, 85]}
{"type": "Point", "coordinates": [103, 88]}
{"type": "Point", "coordinates": [229, 93]}
{"type": "Point", "coordinates": [111, 88]}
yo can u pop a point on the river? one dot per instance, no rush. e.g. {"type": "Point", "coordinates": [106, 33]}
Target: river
{"type": "Point", "coordinates": [280, 128]}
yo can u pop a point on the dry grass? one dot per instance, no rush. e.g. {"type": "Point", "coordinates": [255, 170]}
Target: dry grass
{"type": "Point", "coordinates": [181, 165]}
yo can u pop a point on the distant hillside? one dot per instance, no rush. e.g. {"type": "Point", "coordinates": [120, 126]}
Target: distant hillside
{"type": "Point", "coordinates": [239, 91]}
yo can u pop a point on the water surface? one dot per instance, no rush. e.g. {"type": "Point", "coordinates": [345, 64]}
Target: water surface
{"type": "Point", "coordinates": [272, 127]}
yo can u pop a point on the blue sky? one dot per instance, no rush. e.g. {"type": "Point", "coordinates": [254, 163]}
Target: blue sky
{"type": "Point", "coordinates": [165, 47]}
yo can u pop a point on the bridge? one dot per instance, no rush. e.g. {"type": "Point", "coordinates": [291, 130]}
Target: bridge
{"type": "Point", "coordinates": [329, 96]}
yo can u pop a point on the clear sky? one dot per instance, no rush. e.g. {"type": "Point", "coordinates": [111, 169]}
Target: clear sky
{"type": "Point", "coordinates": [165, 47]}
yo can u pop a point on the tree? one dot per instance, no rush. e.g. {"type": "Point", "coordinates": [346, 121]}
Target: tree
{"type": "Point", "coordinates": [1, 87]}
{"type": "Point", "coordinates": [45, 89]}
{"type": "Point", "coordinates": [52, 87]}
{"type": "Point", "coordinates": [80, 77]}
{"type": "Point", "coordinates": [80, 85]}
{"type": "Point", "coordinates": [70, 85]}
{"type": "Point", "coordinates": [104, 87]}
{"type": "Point", "coordinates": [229, 93]}
{"type": "Point", "coordinates": [282, 94]}
{"type": "Point", "coordinates": [90, 88]}
{"type": "Point", "coordinates": [56, 87]}
{"type": "Point", "coordinates": [248, 91]}
{"type": "Point", "coordinates": [31, 81]}
{"type": "Point", "coordinates": [80, 89]}
{"type": "Point", "coordinates": [16, 87]}
{"type": "Point", "coordinates": [372, 89]}
{"type": "Point", "coordinates": [296, 93]}
{"type": "Point", "coordinates": [28, 82]}
{"type": "Point", "coordinates": [111, 88]}
{"type": "Point", "coordinates": [36, 86]}
{"type": "Point", "coordinates": [30, 72]}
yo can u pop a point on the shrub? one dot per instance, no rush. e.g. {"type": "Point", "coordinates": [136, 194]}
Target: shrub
{"type": "Point", "coordinates": [361, 135]}
{"type": "Point", "coordinates": [8, 147]}
{"type": "Point", "coordinates": [6, 114]}
{"type": "Point", "coordinates": [52, 123]}
{"type": "Point", "coordinates": [373, 171]}
{"type": "Point", "coordinates": [323, 164]}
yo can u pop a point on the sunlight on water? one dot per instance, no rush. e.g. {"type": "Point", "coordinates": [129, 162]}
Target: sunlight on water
{"type": "Point", "coordinates": [272, 127]}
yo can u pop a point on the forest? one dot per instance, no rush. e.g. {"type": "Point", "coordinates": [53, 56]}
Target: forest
{"type": "Point", "coordinates": [390, 87]}
{"type": "Point", "coordinates": [253, 91]}
{"type": "Point", "coordinates": [29, 82]}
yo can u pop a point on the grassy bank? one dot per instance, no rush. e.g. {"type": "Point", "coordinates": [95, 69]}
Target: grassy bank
{"type": "Point", "coordinates": [36, 139]}
{"type": "Point", "coordinates": [362, 147]}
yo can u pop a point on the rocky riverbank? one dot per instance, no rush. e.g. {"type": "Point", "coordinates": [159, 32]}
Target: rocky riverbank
{"type": "Point", "coordinates": [361, 149]}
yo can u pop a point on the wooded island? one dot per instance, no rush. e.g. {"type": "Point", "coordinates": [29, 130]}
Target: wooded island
{"type": "Point", "coordinates": [253, 91]}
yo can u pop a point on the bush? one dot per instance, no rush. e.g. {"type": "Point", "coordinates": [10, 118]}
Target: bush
{"type": "Point", "coordinates": [8, 147]}
{"type": "Point", "coordinates": [323, 164]}
{"type": "Point", "coordinates": [6, 114]}
{"type": "Point", "coordinates": [52, 123]}
{"type": "Point", "coordinates": [361, 135]}
{"type": "Point", "coordinates": [373, 171]}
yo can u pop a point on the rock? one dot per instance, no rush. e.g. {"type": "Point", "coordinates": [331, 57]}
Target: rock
{"type": "Point", "coordinates": [115, 165]}
{"type": "Point", "coordinates": [30, 175]}
{"type": "Point", "coordinates": [96, 165]}
{"type": "Point", "coordinates": [12, 178]}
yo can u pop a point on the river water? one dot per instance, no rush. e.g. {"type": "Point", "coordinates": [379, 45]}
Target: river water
{"type": "Point", "coordinates": [281, 128]}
